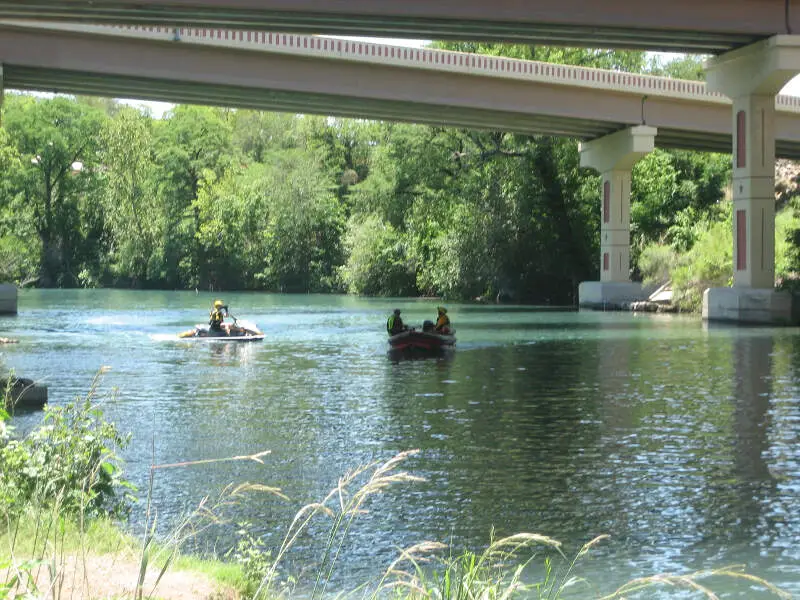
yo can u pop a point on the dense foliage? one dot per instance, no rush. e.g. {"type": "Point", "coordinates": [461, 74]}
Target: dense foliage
{"type": "Point", "coordinates": [68, 463]}
{"type": "Point", "coordinates": [96, 194]}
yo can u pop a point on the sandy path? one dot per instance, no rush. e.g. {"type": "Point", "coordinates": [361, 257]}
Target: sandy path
{"type": "Point", "coordinates": [115, 577]}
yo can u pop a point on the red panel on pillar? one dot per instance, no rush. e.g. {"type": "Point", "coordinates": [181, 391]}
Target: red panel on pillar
{"type": "Point", "coordinates": [606, 201]}
{"type": "Point", "coordinates": [741, 240]}
{"type": "Point", "coordinates": [605, 261]}
{"type": "Point", "coordinates": [741, 140]}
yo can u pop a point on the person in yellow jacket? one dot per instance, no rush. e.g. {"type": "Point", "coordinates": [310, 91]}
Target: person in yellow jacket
{"type": "Point", "coordinates": [443, 322]}
{"type": "Point", "coordinates": [216, 319]}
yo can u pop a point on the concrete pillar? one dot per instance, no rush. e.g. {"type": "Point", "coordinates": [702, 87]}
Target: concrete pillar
{"type": "Point", "coordinates": [753, 189]}
{"type": "Point", "coordinates": [751, 77]}
{"type": "Point", "coordinates": [8, 299]}
{"type": "Point", "coordinates": [614, 156]}
{"type": "Point", "coordinates": [8, 292]}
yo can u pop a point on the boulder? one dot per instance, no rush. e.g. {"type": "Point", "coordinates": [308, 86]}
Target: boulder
{"type": "Point", "coordinates": [24, 393]}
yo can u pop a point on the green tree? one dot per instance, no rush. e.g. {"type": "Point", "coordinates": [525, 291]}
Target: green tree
{"type": "Point", "coordinates": [378, 262]}
{"type": "Point", "coordinates": [255, 134]}
{"type": "Point", "coordinates": [275, 225]}
{"type": "Point", "coordinates": [631, 61]}
{"type": "Point", "coordinates": [134, 221]}
{"type": "Point", "coordinates": [305, 227]}
{"type": "Point", "coordinates": [57, 139]}
{"type": "Point", "coordinates": [189, 142]}
{"type": "Point", "coordinates": [687, 66]}
{"type": "Point", "coordinates": [20, 249]}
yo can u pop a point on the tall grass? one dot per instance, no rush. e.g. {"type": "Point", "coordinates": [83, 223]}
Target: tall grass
{"type": "Point", "coordinates": [342, 505]}
{"type": "Point", "coordinates": [521, 566]}
{"type": "Point", "coordinates": [164, 550]}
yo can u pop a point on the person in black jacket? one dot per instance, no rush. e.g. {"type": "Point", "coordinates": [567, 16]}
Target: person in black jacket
{"type": "Point", "coordinates": [395, 324]}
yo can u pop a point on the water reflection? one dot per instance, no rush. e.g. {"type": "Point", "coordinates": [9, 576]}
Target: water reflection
{"type": "Point", "coordinates": [397, 355]}
{"type": "Point", "coordinates": [752, 393]}
{"type": "Point", "coordinates": [737, 497]}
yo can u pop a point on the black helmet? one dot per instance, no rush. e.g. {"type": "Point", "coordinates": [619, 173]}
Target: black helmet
{"type": "Point", "coordinates": [397, 311]}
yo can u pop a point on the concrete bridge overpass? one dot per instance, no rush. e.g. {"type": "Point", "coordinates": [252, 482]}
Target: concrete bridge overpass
{"type": "Point", "coordinates": [309, 74]}
{"type": "Point", "coordinates": [707, 26]}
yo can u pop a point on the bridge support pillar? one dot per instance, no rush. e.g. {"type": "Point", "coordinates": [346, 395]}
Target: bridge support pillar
{"type": "Point", "coordinates": [614, 156]}
{"type": "Point", "coordinates": [8, 292]}
{"type": "Point", "coordinates": [751, 77]}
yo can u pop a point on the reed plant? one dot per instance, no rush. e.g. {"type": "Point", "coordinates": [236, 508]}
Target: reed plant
{"type": "Point", "coordinates": [521, 566]}
{"type": "Point", "coordinates": [499, 573]}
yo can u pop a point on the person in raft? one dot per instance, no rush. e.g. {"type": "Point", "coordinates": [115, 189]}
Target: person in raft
{"type": "Point", "coordinates": [443, 322]}
{"type": "Point", "coordinates": [395, 324]}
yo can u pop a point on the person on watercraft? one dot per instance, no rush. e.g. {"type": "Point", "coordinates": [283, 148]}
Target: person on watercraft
{"type": "Point", "coordinates": [395, 324]}
{"type": "Point", "coordinates": [216, 319]}
{"type": "Point", "coordinates": [443, 322]}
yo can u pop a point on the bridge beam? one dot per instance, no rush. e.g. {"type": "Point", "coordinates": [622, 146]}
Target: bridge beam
{"type": "Point", "coordinates": [751, 77]}
{"type": "Point", "coordinates": [614, 156]}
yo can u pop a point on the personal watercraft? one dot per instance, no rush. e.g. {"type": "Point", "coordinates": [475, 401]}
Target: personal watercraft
{"type": "Point", "coordinates": [238, 331]}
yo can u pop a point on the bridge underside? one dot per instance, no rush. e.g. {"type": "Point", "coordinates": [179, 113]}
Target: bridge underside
{"type": "Point", "coordinates": [114, 66]}
{"type": "Point", "coordinates": [705, 26]}
{"type": "Point", "coordinates": [86, 83]}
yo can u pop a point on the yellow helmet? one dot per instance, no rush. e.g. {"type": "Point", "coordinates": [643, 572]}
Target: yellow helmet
{"type": "Point", "coordinates": [218, 304]}
{"type": "Point", "coordinates": [442, 310]}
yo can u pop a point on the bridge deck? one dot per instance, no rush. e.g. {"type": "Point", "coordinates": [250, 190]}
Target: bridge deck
{"type": "Point", "coordinates": [338, 77]}
{"type": "Point", "coordinates": [706, 26]}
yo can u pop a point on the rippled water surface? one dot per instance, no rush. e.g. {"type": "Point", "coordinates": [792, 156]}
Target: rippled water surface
{"type": "Point", "coordinates": [678, 440]}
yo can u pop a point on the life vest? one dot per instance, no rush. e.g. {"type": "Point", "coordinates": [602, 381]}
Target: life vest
{"type": "Point", "coordinates": [216, 319]}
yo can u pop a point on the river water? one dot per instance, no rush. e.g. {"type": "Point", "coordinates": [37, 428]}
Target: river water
{"type": "Point", "coordinates": [678, 440]}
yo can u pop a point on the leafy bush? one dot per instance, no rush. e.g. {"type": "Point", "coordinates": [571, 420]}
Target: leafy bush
{"type": "Point", "coordinates": [377, 261]}
{"type": "Point", "coordinates": [252, 555]}
{"type": "Point", "coordinates": [656, 263]}
{"type": "Point", "coordinates": [787, 249]}
{"type": "Point", "coordinates": [69, 460]}
{"type": "Point", "coordinates": [708, 264]}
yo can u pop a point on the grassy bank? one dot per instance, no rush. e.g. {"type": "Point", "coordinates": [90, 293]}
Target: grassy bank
{"type": "Point", "coordinates": [50, 555]}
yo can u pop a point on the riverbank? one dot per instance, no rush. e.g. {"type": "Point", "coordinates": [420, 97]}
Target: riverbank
{"type": "Point", "coordinates": [97, 559]}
